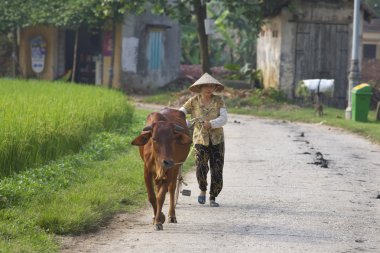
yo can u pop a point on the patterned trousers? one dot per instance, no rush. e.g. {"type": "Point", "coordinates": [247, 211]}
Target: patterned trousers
{"type": "Point", "coordinates": [215, 155]}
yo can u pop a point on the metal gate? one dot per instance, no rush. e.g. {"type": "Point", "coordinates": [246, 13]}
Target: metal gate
{"type": "Point", "coordinates": [322, 53]}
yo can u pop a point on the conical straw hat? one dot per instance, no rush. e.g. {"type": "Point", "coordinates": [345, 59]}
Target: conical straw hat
{"type": "Point", "coordinates": [206, 79]}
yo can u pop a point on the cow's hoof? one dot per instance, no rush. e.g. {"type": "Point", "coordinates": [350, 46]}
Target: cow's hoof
{"type": "Point", "coordinates": [158, 227]}
{"type": "Point", "coordinates": [172, 219]}
{"type": "Point", "coordinates": [162, 218]}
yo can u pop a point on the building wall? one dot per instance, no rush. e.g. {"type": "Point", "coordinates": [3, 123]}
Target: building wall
{"type": "Point", "coordinates": [116, 82]}
{"type": "Point", "coordinates": [287, 67]}
{"type": "Point", "coordinates": [136, 74]}
{"type": "Point", "coordinates": [280, 53]}
{"type": "Point", "coordinates": [371, 36]}
{"type": "Point", "coordinates": [269, 52]}
{"type": "Point", "coordinates": [50, 35]}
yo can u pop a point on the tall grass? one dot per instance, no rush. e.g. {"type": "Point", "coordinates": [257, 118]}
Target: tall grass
{"type": "Point", "coordinates": [41, 121]}
{"type": "Point", "coordinates": [74, 194]}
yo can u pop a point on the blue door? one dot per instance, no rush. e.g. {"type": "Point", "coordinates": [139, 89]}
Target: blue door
{"type": "Point", "coordinates": [155, 49]}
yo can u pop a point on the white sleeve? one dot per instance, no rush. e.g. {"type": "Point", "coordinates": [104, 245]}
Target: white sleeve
{"type": "Point", "coordinates": [221, 120]}
{"type": "Point", "coordinates": [183, 110]}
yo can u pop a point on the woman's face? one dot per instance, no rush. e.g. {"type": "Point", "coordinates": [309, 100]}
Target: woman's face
{"type": "Point", "coordinates": [207, 89]}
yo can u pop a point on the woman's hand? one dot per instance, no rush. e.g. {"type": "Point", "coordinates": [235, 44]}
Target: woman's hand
{"type": "Point", "coordinates": [207, 125]}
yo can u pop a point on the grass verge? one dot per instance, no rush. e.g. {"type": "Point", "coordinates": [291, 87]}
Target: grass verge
{"type": "Point", "coordinates": [74, 194]}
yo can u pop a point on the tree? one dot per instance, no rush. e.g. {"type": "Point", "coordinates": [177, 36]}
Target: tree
{"type": "Point", "coordinates": [13, 14]}
{"type": "Point", "coordinates": [252, 10]}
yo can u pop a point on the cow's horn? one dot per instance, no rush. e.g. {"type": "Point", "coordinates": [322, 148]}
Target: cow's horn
{"type": "Point", "coordinates": [178, 127]}
{"type": "Point", "coordinates": [148, 128]}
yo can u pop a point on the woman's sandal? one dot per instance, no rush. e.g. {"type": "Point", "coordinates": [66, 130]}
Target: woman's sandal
{"type": "Point", "coordinates": [201, 199]}
{"type": "Point", "coordinates": [213, 203]}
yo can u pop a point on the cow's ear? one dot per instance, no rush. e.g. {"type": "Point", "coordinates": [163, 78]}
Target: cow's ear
{"type": "Point", "coordinates": [142, 139]}
{"type": "Point", "coordinates": [183, 138]}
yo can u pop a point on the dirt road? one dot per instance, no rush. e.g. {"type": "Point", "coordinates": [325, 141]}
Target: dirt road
{"type": "Point", "coordinates": [277, 197]}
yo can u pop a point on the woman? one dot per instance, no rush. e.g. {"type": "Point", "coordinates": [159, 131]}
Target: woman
{"type": "Point", "coordinates": [209, 113]}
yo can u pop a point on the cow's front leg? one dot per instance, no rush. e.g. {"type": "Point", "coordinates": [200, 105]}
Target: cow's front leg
{"type": "Point", "coordinates": [150, 191]}
{"type": "Point", "coordinates": [160, 216]}
{"type": "Point", "coordinates": [172, 187]}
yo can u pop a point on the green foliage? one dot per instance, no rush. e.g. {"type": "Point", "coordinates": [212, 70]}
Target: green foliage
{"type": "Point", "coordinates": [237, 22]}
{"type": "Point", "coordinates": [302, 91]}
{"type": "Point", "coordinates": [245, 73]}
{"type": "Point", "coordinates": [13, 14]}
{"type": "Point", "coordinates": [237, 32]}
{"type": "Point", "coordinates": [115, 9]}
{"type": "Point", "coordinates": [190, 44]}
{"type": "Point", "coordinates": [42, 121]}
{"type": "Point", "coordinates": [270, 97]}
{"type": "Point", "coordinates": [70, 13]}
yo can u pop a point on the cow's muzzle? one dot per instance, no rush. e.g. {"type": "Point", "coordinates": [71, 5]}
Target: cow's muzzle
{"type": "Point", "coordinates": [167, 164]}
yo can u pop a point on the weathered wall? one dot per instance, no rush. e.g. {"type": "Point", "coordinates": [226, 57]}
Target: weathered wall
{"type": "Point", "coordinates": [280, 52]}
{"type": "Point", "coordinates": [50, 35]}
{"type": "Point", "coordinates": [371, 70]}
{"type": "Point", "coordinates": [269, 52]}
{"type": "Point", "coordinates": [136, 74]}
{"type": "Point", "coordinates": [116, 82]}
{"type": "Point", "coordinates": [287, 67]}
{"type": "Point", "coordinates": [322, 12]}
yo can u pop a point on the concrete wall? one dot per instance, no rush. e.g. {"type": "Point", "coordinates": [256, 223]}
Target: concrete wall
{"type": "Point", "coordinates": [269, 52]}
{"type": "Point", "coordinates": [136, 74]}
{"type": "Point", "coordinates": [287, 67]}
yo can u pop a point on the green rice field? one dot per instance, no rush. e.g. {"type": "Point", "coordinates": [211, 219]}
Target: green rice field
{"type": "Point", "coordinates": [41, 121]}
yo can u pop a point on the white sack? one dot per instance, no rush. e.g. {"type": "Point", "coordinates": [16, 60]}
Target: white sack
{"type": "Point", "coordinates": [325, 85]}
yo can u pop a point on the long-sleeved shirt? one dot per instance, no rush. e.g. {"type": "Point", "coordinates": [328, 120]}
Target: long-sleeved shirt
{"type": "Point", "coordinates": [215, 112]}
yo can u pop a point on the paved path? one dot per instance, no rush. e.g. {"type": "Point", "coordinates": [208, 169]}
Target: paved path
{"type": "Point", "coordinates": [275, 199]}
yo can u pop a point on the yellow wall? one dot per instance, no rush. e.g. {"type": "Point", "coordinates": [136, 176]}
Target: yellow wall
{"type": "Point", "coordinates": [50, 35]}
{"type": "Point", "coordinates": [117, 64]}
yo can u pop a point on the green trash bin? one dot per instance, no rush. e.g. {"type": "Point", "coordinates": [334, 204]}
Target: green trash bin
{"type": "Point", "coordinates": [361, 98]}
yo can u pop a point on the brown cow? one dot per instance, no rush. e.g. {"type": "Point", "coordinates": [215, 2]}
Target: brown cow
{"type": "Point", "coordinates": [164, 146]}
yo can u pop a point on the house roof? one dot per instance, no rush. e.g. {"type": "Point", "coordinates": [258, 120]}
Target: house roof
{"type": "Point", "coordinates": [372, 26]}
{"type": "Point", "coordinates": [271, 11]}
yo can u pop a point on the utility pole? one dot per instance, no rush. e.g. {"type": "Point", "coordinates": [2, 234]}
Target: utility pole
{"type": "Point", "coordinates": [354, 75]}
